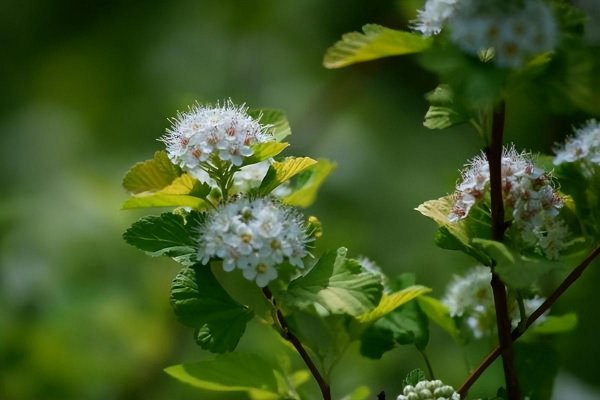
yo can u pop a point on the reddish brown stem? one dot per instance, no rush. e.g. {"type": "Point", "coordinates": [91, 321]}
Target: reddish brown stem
{"type": "Point", "coordinates": [293, 339]}
{"type": "Point", "coordinates": [562, 288]}
{"type": "Point", "coordinates": [494, 155]}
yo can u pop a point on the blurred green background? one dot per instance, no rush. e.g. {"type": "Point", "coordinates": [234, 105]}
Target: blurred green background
{"type": "Point", "coordinates": [87, 88]}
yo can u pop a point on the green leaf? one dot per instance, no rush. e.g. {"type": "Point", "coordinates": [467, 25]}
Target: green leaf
{"type": "Point", "coordinates": [376, 42]}
{"type": "Point", "coordinates": [405, 325]}
{"type": "Point", "coordinates": [168, 234]}
{"type": "Point", "coordinates": [437, 312]}
{"type": "Point", "coordinates": [264, 151]}
{"type": "Point", "coordinates": [336, 283]}
{"type": "Point", "coordinates": [235, 372]}
{"type": "Point", "coordinates": [537, 366]}
{"type": "Point", "coordinates": [457, 235]}
{"type": "Point", "coordinates": [276, 119]}
{"type": "Point", "coordinates": [554, 324]}
{"type": "Point", "coordinates": [415, 376]}
{"type": "Point", "coordinates": [360, 393]}
{"type": "Point", "coordinates": [279, 172]}
{"type": "Point", "coordinates": [524, 272]}
{"type": "Point", "coordinates": [200, 302]}
{"type": "Point", "coordinates": [495, 250]}
{"type": "Point", "coordinates": [151, 175]}
{"type": "Point", "coordinates": [305, 185]}
{"type": "Point", "coordinates": [439, 117]}
{"type": "Point", "coordinates": [165, 200]}
{"type": "Point", "coordinates": [389, 302]}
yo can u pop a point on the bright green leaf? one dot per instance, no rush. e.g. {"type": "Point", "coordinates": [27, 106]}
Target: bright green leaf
{"type": "Point", "coordinates": [437, 312]}
{"type": "Point", "coordinates": [234, 372]}
{"type": "Point", "coordinates": [336, 283]}
{"type": "Point", "coordinates": [276, 119]}
{"type": "Point", "coordinates": [553, 324]}
{"type": "Point", "coordinates": [168, 234]}
{"type": "Point", "coordinates": [389, 302]}
{"type": "Point", "coordinates": [200, 302]}
{"type": "Point", "coordinates": [264, 151]}
{"type": "Point", "coordinates": [279, 172]}
{"type": "Point", "coordinates": [376, 42]}
{"type": "Point", "coordinates": [305, 185]}
{"type": "Point", "coordinates": [164, 200]}
{"type": "Point", "coordinates": [151, 175]}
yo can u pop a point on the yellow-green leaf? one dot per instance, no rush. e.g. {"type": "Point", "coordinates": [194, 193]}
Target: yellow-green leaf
{"type": "Point", "coordinates": [151, 175]}
{"type": "Point", "coordinates": [389, 302]}
{"type": "Point", "coordinates": [280, 172]}
{"type": "Point", "coordinates": [304, 194]}
{"type": "Point", "coordinates": [278, 124]}
{"type": "Point", "coordinates": [165, 200]}
{"type": "Point", "coordinates": [437, 312]}
{"type": "Point", "coordinates": [183, 184]}
{"type": "Point", "coordinates": [375, 42]}
{"type": "Point", "coordinates": [263, 151]}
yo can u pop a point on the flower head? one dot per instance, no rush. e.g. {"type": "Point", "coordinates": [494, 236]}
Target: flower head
{"type": "Point", "coordinates": [529, 197]}
{"type": "Point", "coordinates": [429, 390]}
{"type": "Point", "coordinates": [254, 236]}
{"type": "Point", "coordinates": [205, 135]}
{"type": "Point", "coordinates": [584, 146]}
{"type": "Point", "coordinates": [514, 32]}
{"type": "Point", "coordinates": [470, 298]}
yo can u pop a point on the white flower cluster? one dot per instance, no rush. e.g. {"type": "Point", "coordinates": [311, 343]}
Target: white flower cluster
{"type": "Point", "coordinates": [429, 390]}
{"type": "Point", "coordinates": [584, 146]}
{"type": "Point", "coordinates": [529, 197]}
{"type": "Point", "coordinates": [205, 134]}
{"type": "Point", "coordinates": [431, 19]}
{"type": "Point", "coordinates": [471, 298]}
{"type": "Point", "coordinates": [514, 32]}
{"type": "Point", "coordinates": [253, 236]}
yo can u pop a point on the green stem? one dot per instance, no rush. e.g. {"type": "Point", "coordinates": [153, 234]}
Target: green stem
{"type": "Point", "coordinates": [522, 313]}
{"type": "Point", "coordinates": [427, 363]}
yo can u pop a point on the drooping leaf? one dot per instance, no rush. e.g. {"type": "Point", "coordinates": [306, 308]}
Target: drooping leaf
{"type": "Point", "coordinates": [151, 175]}
{"type": "Point", "coordinates": [168, 234]}
{"type": "Point", "coordinates": [336, 283]}
{"type": "Point", "coordinates": [159, 200]}
{"type": "Point", "coordinates": [437, 312]}
{"type": "Point", "coordinates": [276, 119]}
{"type": "Point", "coordinates": [234, 372]}
{"type": "Point", "coordinates": [389, 302]}
{"type": "Point", "coordinates": [457, 235]}
{"type": "Point", "coordinates": [281, 171]}
{"type": "Point", "coordinates": [444, 110]}
{"type": "Point", "coordinates": [375, 42]}
{"type": "Point", "coordinates": [200, 302]}
{"type": "Point", "coordinates": [306, 184]}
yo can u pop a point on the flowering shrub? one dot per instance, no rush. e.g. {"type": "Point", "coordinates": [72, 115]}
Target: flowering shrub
{"type": "Point", "coordinates": [236, 204]}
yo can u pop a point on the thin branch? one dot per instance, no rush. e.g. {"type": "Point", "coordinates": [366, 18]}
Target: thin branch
{"type": "Point", "coordinates": [293, 339]}
{"type": "Point", "coordinates": [558, 292]}
{"type": "Point", "coordinates": [494, 155]}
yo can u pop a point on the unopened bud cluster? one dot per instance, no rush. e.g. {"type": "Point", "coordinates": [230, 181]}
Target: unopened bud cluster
{"type": "Point", "coordinates": [529, 197]}
{"type": "Point", "coordinates": [254, 236]}
{"type": "Point", "coordinates": [514, 31]}
{"type": "Point", "coordinates": [582, 147]}
{"type": "Point", "coordinates": [205, 135]}
{"type": "Point", "coordinates": [470, 297]}
{"type": "Point", "coordinates": [429, 390]}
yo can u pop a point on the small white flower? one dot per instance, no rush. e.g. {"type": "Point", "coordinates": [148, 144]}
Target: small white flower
{"type": "Point", "coordinates": [583, 147]}
{"type": "Point", "coordinates": [254, 236]}
{"type": "Point", "coordinates": [470, 298]}
{"type": "Point", "coordinates": [431, 19]}
{"type": "Point", "coordinates": [529, 197]}
{"type": "Point", "coordinates": [205, 135]}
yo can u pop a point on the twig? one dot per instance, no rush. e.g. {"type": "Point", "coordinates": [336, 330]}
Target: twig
{"type": "Point", "coordinates": [494, 155]}
{"type": "Point", "coordinates": [293, 339]}
{"type": "Point", "coordinates": [562, 288]}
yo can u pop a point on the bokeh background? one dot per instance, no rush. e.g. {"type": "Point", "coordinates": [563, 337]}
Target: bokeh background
{"type": "Point", "coordinates": [87, 88]}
